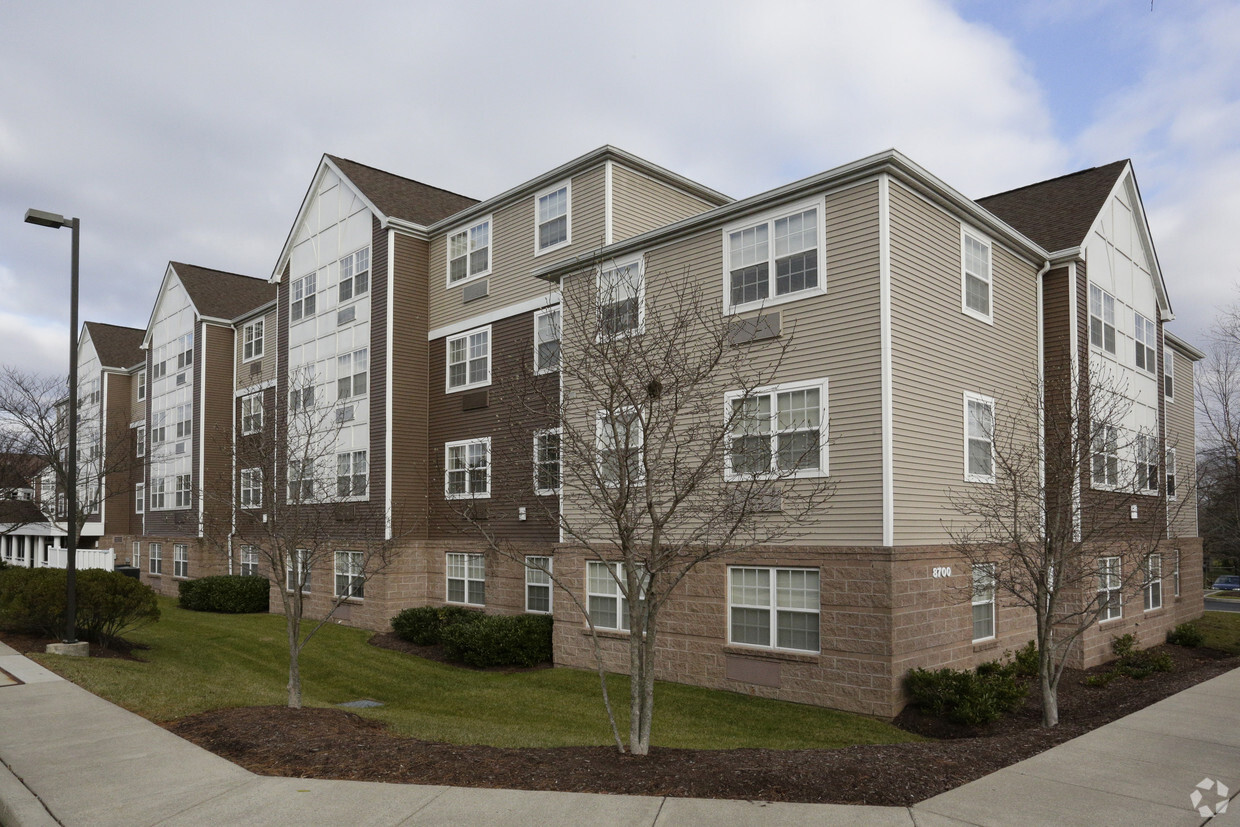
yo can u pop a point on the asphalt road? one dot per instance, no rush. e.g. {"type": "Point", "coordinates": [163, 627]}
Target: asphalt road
{"type": "Point", "coordinates": [1214, 604]}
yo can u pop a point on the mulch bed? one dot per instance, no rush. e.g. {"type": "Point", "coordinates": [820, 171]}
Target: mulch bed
{"type": "Point", "coordinates": [37, 644]}
{"type": "Point", "coordinates": [332, 743]}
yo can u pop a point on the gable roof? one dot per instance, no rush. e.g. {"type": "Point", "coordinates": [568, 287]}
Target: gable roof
{"type": "Point", "coordinates": [1057, 213]}
{"type": "Point", "coordinates": [116, 346]}
{"type": "Point", "coordinates": [398, 197]}
{"type": "Point", "coordinates": [220, 295]}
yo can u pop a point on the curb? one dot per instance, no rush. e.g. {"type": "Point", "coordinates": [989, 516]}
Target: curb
{"type": "Point", "coordinates": [20, 807]}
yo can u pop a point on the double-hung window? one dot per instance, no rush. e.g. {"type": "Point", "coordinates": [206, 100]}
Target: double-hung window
{"type": "Point", "coordinates": [252, 341]}
{"type": "Point", "coordinates": [302, 295]}
{"type": "Point", "coordinates": [467, 469]}
{"type": "Point", "coordinates": [618, 440]}
{"type": "Point", "coordinates": [300, 480]}
{"type": "Point", "coordinates": [979, 438]}
{"type": "Point", "coordinates": [1169, 374]}
{"type": "Point", "coordinates": [159, 427]}
{"type": "Point", "coordinates": [1152, 587]}
{"type": "Point", "coordinates": [135, 558]}
{"type": "Point", "coordinates": [774, 608]}
{"type": "Point", "coordinates": [1147, 462]}
{"type": "Point", "coordinates": [298, 570]}
{"type": "Point", "coordinates": [1105, 455]}
{"type": "Point", "coordinates": [554, 209]}
{"type": "Point", "coordinates": [467, 579]}
{"type": "Point", "coordinates": [776, 258]}
{"type": "Point", "coordinates": [975, 275]}
{"type": "Point", "coordinates": [605, 595]}
{"type": "Point", "coordinates": [158, 493]}
{"type": "Point", "coordinates": [351, 371]}
{"type": "Point", "coordinates": [1110, 584]}
{"type": "Point", "coordinates": [251, 487]}
{"type": "Point", "coordinates": [538, 584]}
{"type": "Point", "coordinates": [141, 380]}
{"type": "Point", "coordinates": [139, 498]}
{"type": "Point", "coordinates": [1171, 473]}
{"type": "Point", "coordinates": [1101, 319]}
{"type": "Point", "coordinates": [983, 601]}
{"type": "Point", "coordinates": [621, 294]}
{"type": "Point", "coordinates": [547, 462]}
{"type": "Point", "coordinates": [469, 252]}
{"type": "Point", "coordinates": [351, 474]}
{"type": "Point", "coordinates": [249, 561]}
{"type": "Point", "coordinates": [301, 399]}
{"type": "Point", "coordinates": [141, 440]}
{"type": "Point", "coordinates": [547, 340]}
{"type": "Point", "coordinates": [781, 430]}
{"type": "Point", "coordinates": [1146, 334]}
{"type": "Point", "coordinates": [252, 413]}
{"type": "Point", "coordinates": [155, 558]}
{"type": "Point", "coordinates": [354, 274]}
{"type": "Point", "coordinates": [350, 582]}
{"type": "Point", "coordinates": [183, 491]}
{"type": "Point", "coordinates": [180, 560]}
{"type": "Point", "coordinates": [1176, 573]}
{"type": "Point", "coordinates": [469, 359]}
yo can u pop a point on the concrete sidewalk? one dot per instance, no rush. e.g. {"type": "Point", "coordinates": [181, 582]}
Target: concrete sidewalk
{"type": "Point", "coordinates": [110, 766]}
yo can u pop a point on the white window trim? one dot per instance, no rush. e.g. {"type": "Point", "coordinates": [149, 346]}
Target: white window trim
{"type": "Point", "coordinates": [823, 424]}
{"type": "Point", "coordinates": [618, 577]}
{"type": "Point", "coordinates": [1150, 351]}
{"type": "Point", "coordinates": [538, 369]}
{"type": "Point", "coordinates": [1148, 581]}
{"type": "Point", "coordinates": [567, 185]}
{"type": "Point", "coordinates": [353, 577]}
{"type": "Point", "coordinates": [297, 562]}
{"type": "Point", "coordinates": [334, 481]}
{"type": "Point", "coordinates": [1094, 482]}
{"type": "Point", "coordinates": [600, 418]}
{"type": "Point", "coordinates": [1169, 373]}
{"type": "Point", "coordinates": [465, 228]}
{"type": "Point", "coordinates": [547, 492]}
{"type": "Point", "coordinates": [774, 609]}
{"type": "Point", "coordinates": [617, 264]}
{"type": "Point", "coordinates": [252, 399]}
{"type": "Point", "coordinates": [990, 572]}
{"type": "Point", "coordinates": [370, 272]}
{"type": "Point", "coordinates": [181, 551]}
{"type": "Point", "coordinates": [256, 353]}
{"type": "Point", "coordinates": [486, 440]}
{"type": "Point", "coordinates": [140, 437]}
{"type": "Point", "coordinates": [466, 580]}
{"type": "Point", "coordinates": [304, 316]}
{"type": "Point", "coordinates": [1176, 572]}
{"type": "Point", "coordinates": [1116, 585]}
{"type": "Point", "coordinates": [988, 318]}
{"type": "Point", "coordinates": [1173, 491]}
{"type": "Point", "coordinates": [985, 400]}
{"type": "Point", "coordinates": [249, 474]}
{"type": "Point", "coordinates": [139, 498]}
{"type": "Point", "coordinates": [549, 585]}
{"type": "Point", "coordinates": [141, 377]}
{"type": "Point", "coordinates": [447, 365]}
{"type": "Point", "coordinates": [155, 558]}
{"type": "Point", "coordinates": [770, 216]}
{"type": "Point", "coordinates": [1089, 315]}
{"type": "Point", "coordinates": [241, 566]}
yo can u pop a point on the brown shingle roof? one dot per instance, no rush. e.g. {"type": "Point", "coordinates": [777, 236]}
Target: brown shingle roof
{"type": "Point", "coordinates": [118, 347]}
{"type": "Point", "coordinates": [403, 197]}
{"type": "Point", "coordinates": [1057, 213]}
{"type": "Point", "coordinates": [223, 295]}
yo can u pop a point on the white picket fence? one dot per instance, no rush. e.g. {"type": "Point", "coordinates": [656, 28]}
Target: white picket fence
{"type": "Point", "coordinates": [86, 558]}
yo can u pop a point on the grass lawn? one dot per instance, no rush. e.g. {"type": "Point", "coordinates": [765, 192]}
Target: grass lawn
{"type": "Point", "coordinates": [1222, 631]}
{"type": "Point", "coordinates": [199, 661]}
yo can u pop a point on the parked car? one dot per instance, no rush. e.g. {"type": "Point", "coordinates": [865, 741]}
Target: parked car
{"type": "Point", "coordinates": [1228, 582]}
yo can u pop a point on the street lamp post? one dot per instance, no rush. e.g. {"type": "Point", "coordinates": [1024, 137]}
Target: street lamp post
{"type": "Point", "coordinates": [47, 219]}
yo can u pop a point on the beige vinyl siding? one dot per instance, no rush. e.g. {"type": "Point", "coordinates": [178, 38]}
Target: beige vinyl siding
{"type": "Point", "coordinates": [1181, 426]}
{"type": "Point", "coordinates": [512, 253]}
{"type": "Point", "coordinates": [261, 370]}
{"type": "Point", "coordinates": [641, 204]}
{"type": "Point", "coordinates": [938, 353]}
{"type": "Point", "coordinates": [836, 337]}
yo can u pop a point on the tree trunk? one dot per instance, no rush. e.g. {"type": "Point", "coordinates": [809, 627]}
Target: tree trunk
{"type": "Point", "coordinates": [1049, 687]}
{"type": "Point", "coordinates": [293, 626]}
{"type": "Point", "coordinates": [637, 672]}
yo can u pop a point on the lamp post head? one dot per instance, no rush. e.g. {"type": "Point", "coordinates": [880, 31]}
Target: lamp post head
{"type": "Point", "coordinates": [47, 219]}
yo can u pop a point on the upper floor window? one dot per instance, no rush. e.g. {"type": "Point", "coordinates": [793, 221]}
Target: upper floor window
{"type": "Point", "coordinates": [141, 379]}
{"type": "Point", "coordinates": [469, 252]}
{"type": "Point", "coordinates": [300, 480]}
{"type": "Point", "coordinates": [547, 340]}
{"type": "Point", "coordinates": [554, 208]}
{"type": "Point", "coordinates": [1105, 455]}
{"type": "Point", "coordinates": [252, 341]}
{"type": "Point", "coordinates": [141, 440]}
{"type": "Point", "coordinates": [1169, 374]}
{"type": "Point", "coordinates": [467, 469]}
{"type": "Point", "coordinates": [620, 293]}
{"type": "Point", "coordinates": [979, 438]}
{"type": "Point", "coordinates": [351, 474]}
{"type": "Point", "coordinates": [183, 491]}
{"type": "Point", "coordinates": [547, 462]}
{"type": "Point", "coordinates": [779, 430]}
{"type": "Point", "coordinates": [469, 359]}
{"type": "Point", "coordinates": [1147, 462]}
{"type": "Point", "coordinates": [354, 274]}
{"type": "Point", "coordinates": [1171, 474]}
{"type": "Point", "coordinates": [302, 296]}
{"type": "Point", "coordinates": [1147, 337]}
{"type": "Point", "coordinates": [618, 441]}
{"type": "Point", "coordinates": [976, 275]}
{"type": "Point", "coordinates": [351, 371]}
{"type": "Point", "coordinates": [774, 259]}
{"type": "Point", "coordinates": [139, 499]}
{"type": "Point", "coordinates": [251, 487]}
{"type": "Point", "coordinates": [252, 413]}
{"type": "Point", "coordinates": [185, 358]}
{"type": "Point", "coordinates": [1101, 319]}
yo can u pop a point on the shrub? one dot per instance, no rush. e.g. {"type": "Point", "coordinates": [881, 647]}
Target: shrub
{"type": "Point", "coordinates": [108, 604]}
{"type": "Point", "coordinates": [228, 594]}
{"type": "Point", "coordinates": [969, 697]}
{"type": "Point", "coordinates": [33, 601]}
{"type": "Point", "coordinates": [424, 625]}
{"type": "Point", "coordinates": [1186, 634]}
{"type": "Point", "coordinates": [1131, 662]}
{"type": "Point", "coordinates": [1025, 660]}
{"type": "Point", "coordinates": [500, 640]}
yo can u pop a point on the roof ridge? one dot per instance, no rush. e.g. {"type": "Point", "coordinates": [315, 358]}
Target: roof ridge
{"type": "Point", "coordinates": [215, 270]}
{"type": "Point", "coordinates": [398, 175]}
{"type": "Point", "coordinates": [1052, 180]}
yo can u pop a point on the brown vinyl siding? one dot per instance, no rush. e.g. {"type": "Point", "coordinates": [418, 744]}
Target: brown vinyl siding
{"type": "Point", "coordinates": [641, 204]}
{"type": "Point", "coordinates": [934, 359]}
{"type": "Point", "coordinates": [260, 370]}
{"type": "Point", "coordinates": [118, 454]}
{"type": "Point", "coordinates": [1181, 426]}
{"type": "Point", "coordinates": [214, 403]}
{"type": "Point", "coordinates": [410, 383]}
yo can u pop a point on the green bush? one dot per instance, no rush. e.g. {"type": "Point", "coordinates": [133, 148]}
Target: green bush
{"type": "Point", "coordinates": [32, 601]}
{"type": "Point", "coordinates": [108, 604]}
{"type": "Point", "coordinates": [1186, 634]}
{"type": "Point", "coordinates": [1025, 660]}
{"type": "Point", "coordinates": [424, 625]}
{"type": "Point", "coordinates": [227, 594]}
{"type": "Point", "coordinates": [500, 640]}
{"type": "Point", "coordinates": [969, 697]}
{"type": "Point", "coordinates": [1131, 662]}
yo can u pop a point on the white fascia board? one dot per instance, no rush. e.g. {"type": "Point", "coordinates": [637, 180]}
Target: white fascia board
{"type": "Point", "coordinates": [1182, 346]}
{"type": "Point", "coordinates": [527, 306]}
{"type": "Point", "coordinates": [389, 384]}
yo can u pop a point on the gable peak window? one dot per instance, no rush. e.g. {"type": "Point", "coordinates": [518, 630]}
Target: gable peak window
{"type": "Point", "coordinates": [553, 210]}
{"type": "Point", "coordinates": [469, 252]}
{"type": "Point", "coordinates": [774, 258]}
{"type": "Point", "coordinates": [976, 275]}
{"type": "Point", "coordinates": [302, 298]}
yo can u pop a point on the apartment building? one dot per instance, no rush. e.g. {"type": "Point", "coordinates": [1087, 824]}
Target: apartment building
{"type": "Point", "coordinates": [909, 316]}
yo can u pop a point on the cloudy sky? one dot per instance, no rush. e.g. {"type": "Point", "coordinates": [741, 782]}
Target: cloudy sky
{"type": "Point", "coordinates": [190, 131]}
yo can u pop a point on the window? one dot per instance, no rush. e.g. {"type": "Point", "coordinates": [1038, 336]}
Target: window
{"type": "Point", "coordinates": [1147, 337]}
{"type": "Point", "coordinates": [1171, 474]}
{"type": "Point", "coordinates": [155, 558]}
{"type": "Point", "coordinates": [135, 559]}
{"type": "Point", "coordinates": [620, 292]}
{"type": "Point", "coordinates": [159, 428]}
{"type": "Point", "coordinates": [979, 438]}
{"type": "Point", "coordinates": [185, 358]}
{"type": "Point", "coordinates": [785, 247]}
{"type": "Point", "coordinates": [300, 480]}
{"type": "Point", "coordinates": [354, 274]}
{"type": "Point", "coordinates": [141, 440]}
{"type": "Point", "coordinates": [605, 599]}
{"type": "Point", "coordinates": [618, 438]}
{"type": "Point", "coordinates": [553, 215]}
{"type": "Point", "coordinates": [1176, 573]}
{"type": "Point", "coordinates": [180, 560]}
{"type": "Point", "coordinates": [782, 430]}
{"type": "Point", "coordinates": [538, 584]}
{"type": "Point", "coordinates": [139, 498]}
{"type": "Point", "coordinates": [251, 487]}
{"type": "Point", "coordinates": [469, 359]}
{"type": "Point", "coordinates": [301, 399]}
{"type": "Point", "coordinates": [252, 341]}
{"type": "Point", "coordinates": [159, 370]}
{"type": "Point", "coordinates": [141, 379]}
{"type": "Point", "coordinates": [467, 576]}
{"type": "Point", "coordinates": [469, 253]}
{"type": "Point", "coordinates": [351, 374]}
{"type": "Point", "coordinates": [983, 601]}
{"type": "Point", "coordinates": [298, 570]}
{"type": "Point", "coordinates": [1101, 319]}
{"type": "Point", "coordinates": [351, 474]}
{"type": "Point", "coordinates": [252, 413]}
{"type": "Point", "coordinates": [185, 421]}
{"type": "Point", "coordinates": [1110, 598]}
{"type": "Point", "coordinates": [349, 579]}
{"type": "Point", "coordinates": [975, 275]}
{"type": "Point", "coordinates": [547, 462]}
{"type": "Point", "coordinates": [249, 561]}
{"type": "Point", "coordinates": [547, 340]}
{"type": "Point", "coordinates": [302, 297]}
{"type": "Point", "coordinates": [182, 491]}
{"type": "Point", "coordinates": [783, 617]}
{"type": "Point", "coordinates": [1169, 374]}
{"type": "Point", "coordinates": [158, 493]}
{"type": "Point", "coordinates": [467, 469]}
{"type": "Point", "coordinates": [1105, 455]}
{"type": "Point", "coordinates": [1152, 587]}
{"type": "Point", "coordinates": [1147, 462]}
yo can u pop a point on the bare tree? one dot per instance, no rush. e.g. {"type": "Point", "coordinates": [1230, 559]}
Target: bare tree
{"type": "Point", "coordinates": [1066, 516]}
{"type": "Point", "coordinates": [673, 450]}
{"type": "Point", "coordinates": [1218, 400]}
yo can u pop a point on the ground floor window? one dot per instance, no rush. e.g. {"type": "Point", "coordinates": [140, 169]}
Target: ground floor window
{"type": "Point", "coordinates": [983, 601]}
{"type": "Point", "coordinates": [249, 561]}
{"type": "Point", "coordinates": [1177, 573]}
{"type": "Point", "coordinates": [605, 600]}
{"type": "Point", "coordinates": [156, 557]}
{"type": "Point", "coordinates": [1153, 582]}
{"type": "Point", "coordinates": [1110, 594]}
{"type": "Point", "coordinates": [467, 576]}
{"type": "Point", "coordinates": [774, 608]}
{"type": "Point", "coordinates": [299, 570]}
{"type": "Point", "coordinates": [349, 579]}
{"type": "Point", "coordinates": [135, 558]}
{"type": "Point", "coordinates": [180, 560]}
{"type": "Point", "coordinates": [538, 584]}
